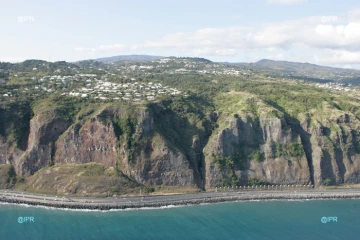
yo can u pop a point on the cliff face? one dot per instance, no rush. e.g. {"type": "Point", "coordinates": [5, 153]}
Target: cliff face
{"type": "Point", "coordinates": [159, 165]}
{"type": "Point", "coordinates": [254, 150]}
{"type": "Point", "coordinates": [92, 142]}
{"type": "Point", "coordinates": [114, 137]}
{"type": "Point", "coordinates": [44, 132]}
{"type": "Point", "coordinates": [14, 131]}
{"type": "Point", "coordinates": [271, 151]}
{"type": "Point", "coordinates": [9, 152]}
{"type": "Point", "coordinates": [183, 147]}
{"type": "Point", "coordinates": [128, 142]}
{"type": "Point", "coordinates": [335, 149]}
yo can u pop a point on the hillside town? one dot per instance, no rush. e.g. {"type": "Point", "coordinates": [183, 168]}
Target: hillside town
{"type": "Point", "coordinates": [126, 80]}
{"type": "Point", "coordinates": [135, 91]}
{"type": "Point", "coordinates": [95, 88]}
{"type": "Point", "coordinates": [172, 65]}
{"type": "Point", "coordinates": [119, 81]}
{"type": "Point", "coordinates": [335, 86]}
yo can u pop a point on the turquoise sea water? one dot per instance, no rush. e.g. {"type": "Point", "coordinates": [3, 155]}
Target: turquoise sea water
{"type": "Point", "coordinates": [240, 220]}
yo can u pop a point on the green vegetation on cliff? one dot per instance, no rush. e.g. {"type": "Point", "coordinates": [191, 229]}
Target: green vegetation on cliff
{"type": "Point", "coordinates": [179, 120]}
{"type": "Point", "coordinates": [15, 122]}
{"type": "Point", "coordinates": [65, 108]}
{"type": "Point", "coordinates": [256, 182]}
{"type": "Point", "coordinates": [258, 156]}
{"type": "Point", "coordinates": [250, 119]}
{"type": "Point", "coordinates": [7, 176]}
{"type": "Point", "coordinates": [288, 150]}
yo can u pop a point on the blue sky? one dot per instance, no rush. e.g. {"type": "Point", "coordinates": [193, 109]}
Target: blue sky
{"type": "Point", "coordinates": [316, 31]}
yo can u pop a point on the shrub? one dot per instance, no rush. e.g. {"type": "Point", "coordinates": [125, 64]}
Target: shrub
{"type": "Point", "coordinates": [328, 182]}
{"type": "Point", "coordinates": [258, 156]}
{"type": "Point", "coordinates": [256, 182]}
{"type": "Point", "coordinates": [288, 150]}
{"type": "Point", "coordinates": [294, 150]}
{"type": "Point", "coordinates": [11, 176]}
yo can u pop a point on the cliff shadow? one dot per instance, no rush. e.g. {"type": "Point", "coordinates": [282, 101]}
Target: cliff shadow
{"type": "Point", "coordinates": [327, 170]}
{"type": "Point", "coordinates": [339, 157]}
{"type": "Point", "coordinates": [15, 122]}
{"type": "Point", "coordinates": [179, 124]}
{"type": "Point", "coordinates": [295, 124]}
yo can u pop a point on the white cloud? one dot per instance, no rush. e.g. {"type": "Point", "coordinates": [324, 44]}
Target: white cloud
{"type": "Point", "coordinates": [286, 2]}
{"type": "Point", "coordinates": [340, 56]}
{"type": "Point", "coordinates": [13, 60]}
{"type": "Point", "coordinates": [101, 48]}
{"type": "Point", "coordinates": [226, 52]}
{"type": "Point", "coordinates": [82, 49]}
{"type": "Point", "coordinates": [354, 15]}
{"type": "Point", "coordinates": [112, 47]}
{"type": "Point", "coordinates": [213, 41]}
{"type": "Point", "coordinates": [304, 40]}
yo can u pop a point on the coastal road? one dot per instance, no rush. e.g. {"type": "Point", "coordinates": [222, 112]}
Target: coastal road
{"type": "Point", "coordinates": [168, 199]}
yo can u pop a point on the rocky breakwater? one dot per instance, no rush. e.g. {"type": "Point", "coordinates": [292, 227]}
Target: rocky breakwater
{"type": "Point", "coordinates": [201, 200]}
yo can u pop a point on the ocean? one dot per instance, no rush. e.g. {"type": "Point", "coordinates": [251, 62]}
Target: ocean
{"type": "Point", "coordinates": [315, 219]}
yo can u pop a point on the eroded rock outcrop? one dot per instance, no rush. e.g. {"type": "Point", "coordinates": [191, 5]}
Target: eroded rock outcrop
{"type": "Point", "coordinates": [130, 143]}
{"type": "Point", "coordinates": [158, 146]}
{"type": "Point", "coordinates": [335, 150]}
{"type": "Point", "coordinates": [93, 142]}
{"type": "Point", "coordinates": [238, 145]}
{"type": "Point", "coordinates": [45, 129]}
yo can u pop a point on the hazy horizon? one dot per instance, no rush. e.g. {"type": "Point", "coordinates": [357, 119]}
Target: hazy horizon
{"type": "Point", "coordinates": [314, 31]}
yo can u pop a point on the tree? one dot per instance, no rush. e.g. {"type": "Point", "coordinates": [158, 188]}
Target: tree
{"type": "Point", "coordinates": [328, 182]}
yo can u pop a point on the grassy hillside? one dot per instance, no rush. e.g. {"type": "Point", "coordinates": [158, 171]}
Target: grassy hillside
{"type": "Point", "coordinates": [82, 180]}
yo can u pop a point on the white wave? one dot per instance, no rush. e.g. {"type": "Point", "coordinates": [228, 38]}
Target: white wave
{"type": "Point", "coordinates": [147, 208]}
{"type": "Point", "coordinates": [91, 210]}
{"type": "Point", "coordinates": [167, 206]}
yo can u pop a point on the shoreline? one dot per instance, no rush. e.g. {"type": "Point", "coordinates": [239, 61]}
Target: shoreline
{"type": "Point", "coordinates": [123, 203]}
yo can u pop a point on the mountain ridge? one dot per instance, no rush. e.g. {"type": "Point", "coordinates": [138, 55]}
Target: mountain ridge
{"type": "Point", "coordinates": [132, 57]}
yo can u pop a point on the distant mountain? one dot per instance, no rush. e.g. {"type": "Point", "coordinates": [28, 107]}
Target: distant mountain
{"type": "Point", "coordinates": [197, 59]}
{"type": "Point", "coordinates": [285, 69]}
{"type": "Point", "coordinates": [90, 63]}
{"type": "Point", "coordinates": [185, 59]}
{"type": "Point", "coordinates": [306, 71]}
{"type": "Point", "coordinates": [234, 64]}
{"type": "Point", "coordinates": [294, 66]}
{"type": "Point", "coordinates": [297, 70]}
{"type": "Point", "coordinates": [136, 58]}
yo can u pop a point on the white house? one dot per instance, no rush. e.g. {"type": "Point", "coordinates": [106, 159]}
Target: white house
{"type": "Point", "coordinates": [150, 98]}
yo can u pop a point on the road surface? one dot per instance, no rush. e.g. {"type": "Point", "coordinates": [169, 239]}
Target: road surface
{"type": "Point", "coordinates": [177, 199]}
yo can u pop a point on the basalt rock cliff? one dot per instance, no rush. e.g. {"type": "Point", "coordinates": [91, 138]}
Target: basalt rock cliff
{"type": "Point", "coordinates": [183, 146]}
